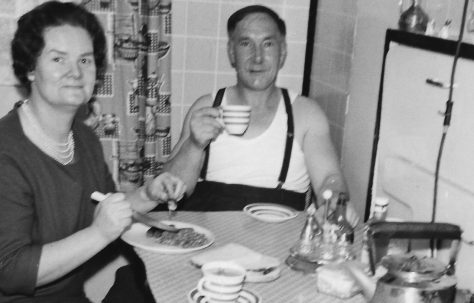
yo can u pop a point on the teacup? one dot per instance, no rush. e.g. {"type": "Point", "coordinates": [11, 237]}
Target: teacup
{"type": "Point", "coordinates": [222, 281]}
{"type": "Point", "coordinates": [236, 118]}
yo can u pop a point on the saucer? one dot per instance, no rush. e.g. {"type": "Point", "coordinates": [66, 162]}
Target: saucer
{"type": "Point", "coordinates": [194, 296]}
{"type": "Point", "coordinates": [270, 212]}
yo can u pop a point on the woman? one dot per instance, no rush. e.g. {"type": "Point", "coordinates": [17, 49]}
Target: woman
{"type": "Point", "coordinates": [50, 163]}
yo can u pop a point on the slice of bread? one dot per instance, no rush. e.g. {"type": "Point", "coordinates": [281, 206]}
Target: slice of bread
{"type": "Point", "coordinates": [260, 268]}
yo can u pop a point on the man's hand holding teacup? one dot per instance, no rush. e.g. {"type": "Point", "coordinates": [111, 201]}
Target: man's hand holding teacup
{"type": "Point", "coordinates": [205, 126]}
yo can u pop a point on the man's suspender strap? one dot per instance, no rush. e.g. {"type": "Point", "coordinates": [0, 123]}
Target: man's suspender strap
{"type": "Point", "coordinates": [217, 102]}
{"type": "Point", "coordinates": [289, 137]}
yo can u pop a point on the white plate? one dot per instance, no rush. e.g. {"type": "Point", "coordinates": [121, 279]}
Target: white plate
{"type": "Point", "coordinates": [261, 277]}
{"type": "Point", "coordinates": [137, 237]}
{"type": "Point", "coordinates": [194, 296]}
{"type": "Point", "coordinates": [270, 212]}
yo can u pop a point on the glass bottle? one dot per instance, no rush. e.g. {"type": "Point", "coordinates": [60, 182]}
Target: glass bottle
{"type": "Point", "coordinates": [310, 229]}
{"type": "Point", "coordinates": [379, 214]}
{"type": "Point", "coordinates": [380, 210]}
{"type": "Point", "coordinates": [305, 246]}
{"type": "Point", "coordinates": [414, 19]}
{"type": "Point", "coordinates": [345, 232]}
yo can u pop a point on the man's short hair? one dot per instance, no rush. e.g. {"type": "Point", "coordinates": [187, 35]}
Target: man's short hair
{"type": "Point", "coordinates": [237, 16]}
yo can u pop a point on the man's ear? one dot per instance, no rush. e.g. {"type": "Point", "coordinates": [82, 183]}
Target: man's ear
{"type": "Point", "coordinates": [283, 53]}
{"type": "Point", "coordinates": [231, 53]}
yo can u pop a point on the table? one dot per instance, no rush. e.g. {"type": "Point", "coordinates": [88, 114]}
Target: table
{"type": "Point", "coordinates": [172, 277]}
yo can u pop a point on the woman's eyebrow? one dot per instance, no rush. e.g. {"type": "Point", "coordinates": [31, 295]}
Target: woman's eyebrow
{"type": "Point", "coordinates": [53, 50]}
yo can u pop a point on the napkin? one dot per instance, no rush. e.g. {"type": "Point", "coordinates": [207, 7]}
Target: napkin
{"type": "Point", "coordinates": [260, 268]}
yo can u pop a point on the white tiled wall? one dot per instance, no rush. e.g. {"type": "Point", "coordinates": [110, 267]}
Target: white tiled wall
{"type": "Point", "coordinates": [199, 56]}
{"type": "Point", "coordinates": [332, 59]}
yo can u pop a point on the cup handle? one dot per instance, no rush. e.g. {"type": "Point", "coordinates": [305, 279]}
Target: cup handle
{"type": "Point", "coordinates": [220, 118]}
{"type": "Point", "coordinates": [200, 285]}
{"type": "Point", "coordinates": [200, 288]}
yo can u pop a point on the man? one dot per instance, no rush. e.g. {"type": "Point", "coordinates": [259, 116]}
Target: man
{"type": "Point", "coordinates": [270, 162]}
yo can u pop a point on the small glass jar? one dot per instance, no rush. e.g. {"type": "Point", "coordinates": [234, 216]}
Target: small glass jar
{"type": "Point", "coordinates": [414, 19]}
{"type": "Point", "coordinates": [470, 24]}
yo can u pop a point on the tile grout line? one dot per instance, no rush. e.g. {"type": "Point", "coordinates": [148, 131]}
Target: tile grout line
{"type": "Point", "coordinates": [216, 66]}
{"type": "Point", "coordinates": [183, 74]}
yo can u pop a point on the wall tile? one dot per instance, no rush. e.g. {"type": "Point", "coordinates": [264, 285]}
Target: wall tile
{"type": "Point", "coordinates": [271, 2]}
{"type": "Point", "coordinates": [224, 80]}
{"type": "Point", "coordinates": [223, 63]}
{"type": "Point", "coordinates": [291, 82]}
{"type": "Point", "coordinates": [227, 9]}
{"type": "Point", "coordinates": [177, 88]}
{"type": "Point", "coordinates": [341, 28]}
{"type": "Point", "coordinates": [341, 68]}
{"type": "Point", "coordinates": [294, 64]}
{"type": "Point", "coordinates": [342, 7]}
{"type": "Point", "coordinates": [9, 97]}
{"type": "Point", "coordinates": [278, 8]}
{"type": "Point", "coordinates": [336, 107]}
{"type": "Point", "coordinates": [196, 85]}
{"type": "Point", "coordinates": [321, 65]}
{"type": "Point", "coordinates": [202, 19]}
{"type": "Point", "coordinates": [332, 108]}
{"type": "Point", "coordinates": [321, 93]}
{"type": "Point", "coordinates": [8, 8]}
{"type": "Point", "coordinates": [8, 26]}
{"type": "Point", "coordinates": [304, 3]}
{"type": "Point", "coordinates": [323, 24]}
{"type": "Point", "coordinates": [455, 14]}
{"type": "Point", "coordinates": [297, 23]}
{"type": "Point", "coordinates": [240, 2]}
{"type": "Point", "coordinates": [177, 52]}
{"type": "Point", "coordinates": [200, 54]}
{"type": "Point", "coordinates": [25, 5]}
{"type": "Point", "coordinates": [193, 20]}
{"type": "Point", "coordinates": [179, 11]}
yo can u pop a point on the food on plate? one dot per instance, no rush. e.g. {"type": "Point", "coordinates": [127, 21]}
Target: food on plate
{"type": "Point", "coordinates": [413, 263]}
{"type": "Point", "coordinates": [184, 238]}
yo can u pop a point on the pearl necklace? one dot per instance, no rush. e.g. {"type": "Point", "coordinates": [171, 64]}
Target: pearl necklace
{"type": "Point", "coordinates": [61, 152]}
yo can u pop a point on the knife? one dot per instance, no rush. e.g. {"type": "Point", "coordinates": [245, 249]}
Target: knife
{"type": "Point", "coordinates": [139, 217]}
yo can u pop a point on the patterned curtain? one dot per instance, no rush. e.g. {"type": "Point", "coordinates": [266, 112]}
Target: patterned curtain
{"type": "Point", "coordinates": [131, 109]}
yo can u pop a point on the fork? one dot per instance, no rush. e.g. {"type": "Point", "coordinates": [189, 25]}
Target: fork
{"type": "Point", "coordinates": [172, 208]}
{"type": "Point", "coordinates": [139, 217]}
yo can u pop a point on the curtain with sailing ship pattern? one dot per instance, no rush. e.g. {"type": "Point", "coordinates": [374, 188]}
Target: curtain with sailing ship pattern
{"type": "Point", "coordinates": [131, 110]}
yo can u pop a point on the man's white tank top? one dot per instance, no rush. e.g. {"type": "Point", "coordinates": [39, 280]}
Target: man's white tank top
{"type": "Point", "coordinates": [258, 161]}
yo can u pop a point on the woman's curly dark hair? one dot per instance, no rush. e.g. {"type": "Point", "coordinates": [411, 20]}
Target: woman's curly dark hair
{"type": "Point", "coordinates": [28, 41]}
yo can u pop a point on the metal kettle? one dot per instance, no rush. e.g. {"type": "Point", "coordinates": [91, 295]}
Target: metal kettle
{"type": "Point", "coordinates": [412, 279]}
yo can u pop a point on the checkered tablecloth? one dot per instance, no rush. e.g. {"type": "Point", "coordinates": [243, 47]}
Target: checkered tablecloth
{"type": "Point", "coordinates": [172, 277]}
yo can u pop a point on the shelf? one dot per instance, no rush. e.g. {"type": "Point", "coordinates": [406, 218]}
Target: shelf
{"type": "Point", "coordinates": [436, 44]}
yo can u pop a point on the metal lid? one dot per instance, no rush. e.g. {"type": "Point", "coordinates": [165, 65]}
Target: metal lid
{"type": "Point", "coordinates": [412, 268]}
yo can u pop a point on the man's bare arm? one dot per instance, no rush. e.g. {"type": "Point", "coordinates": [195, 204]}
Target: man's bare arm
{"type": "Point", "coordinates": [199, 128]}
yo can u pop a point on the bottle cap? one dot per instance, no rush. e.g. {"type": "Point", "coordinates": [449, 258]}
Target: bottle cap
{"type": "Point", "coordinates": [381, 201]}
{"type": "Point", "coordinates": [327, 194]}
